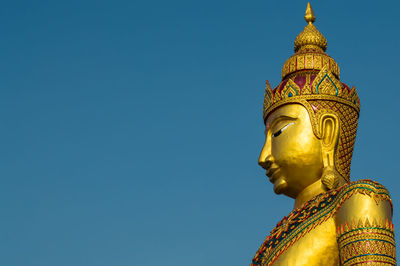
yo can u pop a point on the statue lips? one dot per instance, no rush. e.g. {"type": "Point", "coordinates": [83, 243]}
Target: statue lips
{"type": "Point", "coordinates": [272, 172]}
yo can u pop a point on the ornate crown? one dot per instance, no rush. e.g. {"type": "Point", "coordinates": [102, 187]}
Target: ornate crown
{"type": "Point", "coordinates": [310, 74]}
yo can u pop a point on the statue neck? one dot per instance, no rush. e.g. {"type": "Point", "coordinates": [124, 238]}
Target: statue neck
{"type": "Point", "coordinates": [308, 193]}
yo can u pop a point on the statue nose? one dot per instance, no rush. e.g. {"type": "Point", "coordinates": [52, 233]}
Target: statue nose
{"type": "Point", "coordinates": [266, 162]}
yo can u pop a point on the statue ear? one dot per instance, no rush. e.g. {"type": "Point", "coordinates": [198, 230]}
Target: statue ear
{"type": "Point", "coordinates": [329, 128]}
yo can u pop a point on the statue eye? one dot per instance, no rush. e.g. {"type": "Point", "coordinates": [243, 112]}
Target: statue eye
{"type": "Point", "coordinates": [277, 133]}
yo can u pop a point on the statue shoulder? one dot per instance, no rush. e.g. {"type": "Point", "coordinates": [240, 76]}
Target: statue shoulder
{"type": "Point", "coordinates": [365, 232]}
{"type": "Point", "coordinates": [364, 199]}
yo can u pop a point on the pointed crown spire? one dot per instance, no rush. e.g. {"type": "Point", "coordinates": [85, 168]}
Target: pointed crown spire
{"type": "Point", "coordinates": [310, 37]}
{"type": "Point", "coordinates": [309, 16]}
{"type": "Point", "coordinates": [310, 46]}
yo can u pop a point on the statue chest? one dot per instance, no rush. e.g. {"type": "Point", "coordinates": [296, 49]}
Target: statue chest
{"type": "Point", "coordinates": [307, 236]}
{"type": "Point", "coordinates": [317, 247]}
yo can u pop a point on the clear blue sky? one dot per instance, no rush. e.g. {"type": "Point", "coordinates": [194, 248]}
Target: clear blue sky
{"type": "Point", "coordinates": [130, 131]}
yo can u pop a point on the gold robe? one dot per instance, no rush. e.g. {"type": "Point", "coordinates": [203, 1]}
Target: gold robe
{"type": "Point", "coordinates": [345, 226]}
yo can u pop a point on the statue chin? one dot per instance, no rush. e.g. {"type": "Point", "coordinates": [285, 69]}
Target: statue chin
{"type": "Point", "coordinates": [280, 185]}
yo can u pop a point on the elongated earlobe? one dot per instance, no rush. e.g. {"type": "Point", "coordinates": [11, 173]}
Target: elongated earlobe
{"type": "Point", "coordinates": [329, 128]}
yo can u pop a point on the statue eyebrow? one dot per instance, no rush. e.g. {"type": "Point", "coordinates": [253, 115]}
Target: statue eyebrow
{"type": "Point", "coordinates": [280, 118]}
{"type": "Point", "coordinates": [275, 121]}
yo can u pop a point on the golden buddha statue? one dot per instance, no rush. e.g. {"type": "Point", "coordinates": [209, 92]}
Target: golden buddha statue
{"type": "Point", "coordinates": [311, 123]}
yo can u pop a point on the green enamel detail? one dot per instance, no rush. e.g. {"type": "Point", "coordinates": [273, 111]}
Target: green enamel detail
{"type": "Point", "coordinates": [326, 75]}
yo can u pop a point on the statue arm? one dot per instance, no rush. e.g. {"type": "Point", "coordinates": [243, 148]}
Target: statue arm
{"type": "Point", "coordinates": [365, 233]}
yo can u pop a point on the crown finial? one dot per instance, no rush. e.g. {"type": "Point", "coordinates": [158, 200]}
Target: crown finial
{"type": "Point", "coordinates": [310, 37]}
{"type": "Point", "coordinates": [309, 16]}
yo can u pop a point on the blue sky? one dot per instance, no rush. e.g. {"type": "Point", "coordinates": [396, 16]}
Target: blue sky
{"type": "Point", "coordinates": [131, 129]}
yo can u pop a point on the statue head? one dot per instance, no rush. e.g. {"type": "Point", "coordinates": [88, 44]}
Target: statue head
{"type": "Point", "coordinates": [310, 118]}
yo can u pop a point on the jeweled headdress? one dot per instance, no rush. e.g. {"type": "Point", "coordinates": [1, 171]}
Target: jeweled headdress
{"type": "Point", "coordinates": [312, 78]}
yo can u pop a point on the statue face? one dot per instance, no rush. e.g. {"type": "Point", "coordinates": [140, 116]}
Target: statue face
{"type": "Point", "coordinates": [291, 154]}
